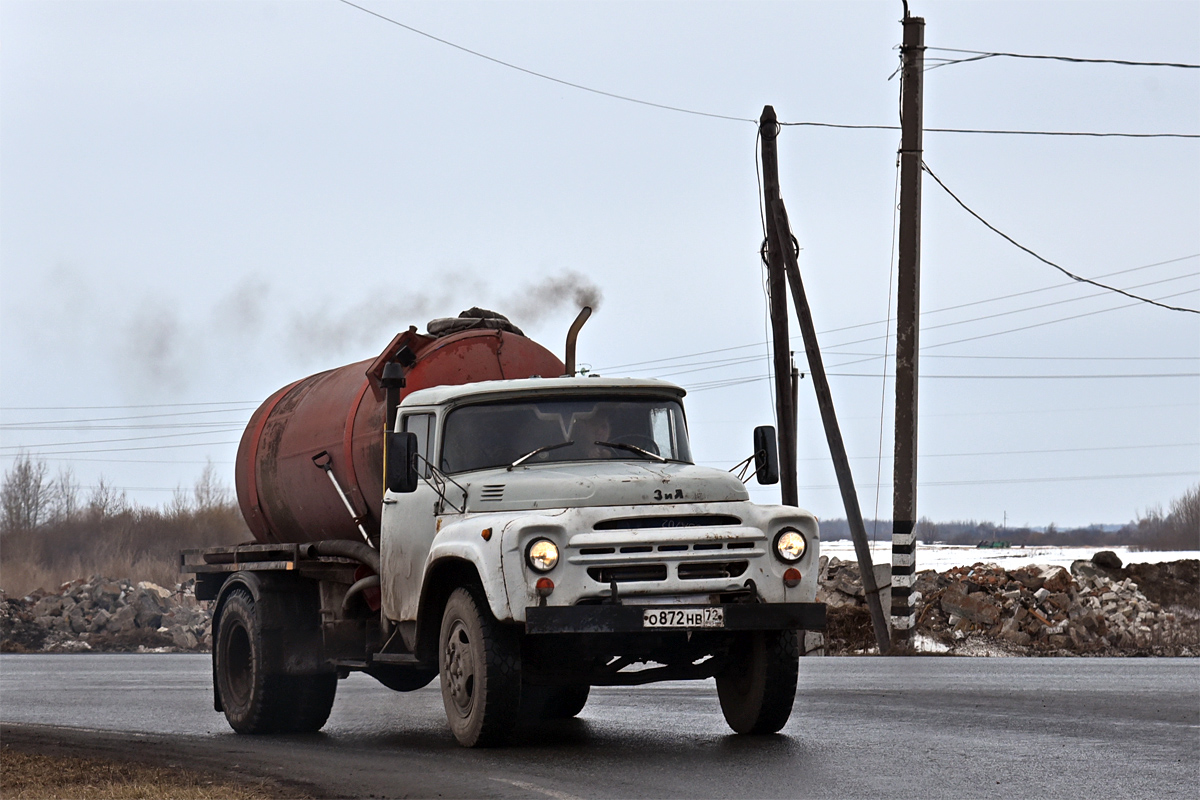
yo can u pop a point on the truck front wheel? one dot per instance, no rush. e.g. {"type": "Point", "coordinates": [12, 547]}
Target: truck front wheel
{"type": "Point", "coordinates": [255, 699]}
{"type": "Point", "coordinates": [758, 687]}
{"type": "Point", "coordinates": [480, 666]}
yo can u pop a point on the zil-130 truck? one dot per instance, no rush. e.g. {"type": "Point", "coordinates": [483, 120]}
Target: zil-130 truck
{"type": "Point", "coordinates": [458, 509]}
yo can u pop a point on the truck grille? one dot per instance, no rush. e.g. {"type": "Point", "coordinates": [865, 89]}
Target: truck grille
{"type": "Point", "coordinates": [704, 570]}
{"type": "Point", "coordinates": [629, 574]}
{"type": "Point", "coordinates": [678, 521]}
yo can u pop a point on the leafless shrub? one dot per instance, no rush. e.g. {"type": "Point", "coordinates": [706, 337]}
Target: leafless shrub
{"type": "Point", "coordinates": [64, 496]}
{"type": "Point", "coordinates": [24, 495]}
{"type": "Point", "coordinates": [117, 539]}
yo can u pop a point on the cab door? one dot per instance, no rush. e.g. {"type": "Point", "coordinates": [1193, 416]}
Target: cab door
{"type": "Point", "coordinates": [408, 526]}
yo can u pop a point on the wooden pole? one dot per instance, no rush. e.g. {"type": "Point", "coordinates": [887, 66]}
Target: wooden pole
{"type": "Point", "coordinates": [785, 416]}
{"type": "Point", "coordinates": [833, 434]}
{"type": "Point", "coordinates": [908, 310]}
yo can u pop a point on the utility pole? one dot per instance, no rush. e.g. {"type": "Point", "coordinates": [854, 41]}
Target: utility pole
{"type": "Point", "coordinates": [833, 433]}
{"type": "Point", "coordinates": [768, 127]}
{"type": "Point", "coordinates": [908, 309]}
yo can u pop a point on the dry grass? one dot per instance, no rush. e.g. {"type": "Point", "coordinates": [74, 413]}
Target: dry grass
{"type": "Point", "coordinates": [29, 776]}
{"type": "Point", "coordinates": [139, 544]}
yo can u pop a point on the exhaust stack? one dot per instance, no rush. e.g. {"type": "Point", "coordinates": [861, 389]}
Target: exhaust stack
{"type": "Point", "coordinates": [572, 335]}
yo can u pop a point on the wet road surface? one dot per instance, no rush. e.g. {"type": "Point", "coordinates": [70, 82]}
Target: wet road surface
{"type": "Point", "coordinates": [861, 727]}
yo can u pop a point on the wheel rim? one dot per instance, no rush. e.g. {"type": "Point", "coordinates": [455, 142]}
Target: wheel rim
{"type": "Point", "coordinates": [239, 668]}
{"type": "Point", "coordinates": [459, 668]}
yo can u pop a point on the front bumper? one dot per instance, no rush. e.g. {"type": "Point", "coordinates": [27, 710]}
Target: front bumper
{"type": "Point", "coordinates": [628, 619]}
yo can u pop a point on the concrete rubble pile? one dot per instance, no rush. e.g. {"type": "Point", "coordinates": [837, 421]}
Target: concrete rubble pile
{"type": "Point", "coordinates": [106, 615]}
{"type": "Point", "coordinates": [1096, 607]}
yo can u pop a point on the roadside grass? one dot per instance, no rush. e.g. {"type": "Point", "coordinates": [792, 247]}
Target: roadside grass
{"type": "Point", "coordinates": [139, 544]}
{"type": "Point", "coordinates": [31, 776]}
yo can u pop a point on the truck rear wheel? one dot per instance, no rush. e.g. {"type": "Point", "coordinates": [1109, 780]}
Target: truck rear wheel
{"type": "Point", "coordinates": [480, 665]}
{"type": "Point", "coordinates": [758, 688]}
{"type": "Point", "coordinates": [255, 699]}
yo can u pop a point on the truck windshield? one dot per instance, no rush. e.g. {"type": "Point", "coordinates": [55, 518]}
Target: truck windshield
{"type": "Point", "coordinates": [497, 434]}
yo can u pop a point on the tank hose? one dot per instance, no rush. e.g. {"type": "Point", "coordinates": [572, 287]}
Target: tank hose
{"type": "Point", "coordinates": [369, 582]}
{"type": "Point", "coordinates": [344, 548]}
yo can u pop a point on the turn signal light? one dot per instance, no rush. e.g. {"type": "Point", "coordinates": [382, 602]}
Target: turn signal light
{"type": "Point", "coordinates": [791, 578]}
{"type": "Point", "coordinates": [545, 586]}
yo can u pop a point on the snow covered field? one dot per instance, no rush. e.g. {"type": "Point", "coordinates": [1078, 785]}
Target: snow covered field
{"type": "Point", "coordinates": [941, 557]}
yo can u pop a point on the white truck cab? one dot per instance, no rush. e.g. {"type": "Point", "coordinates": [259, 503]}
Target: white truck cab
{"type": "Point", "coordinates": [573, 508]}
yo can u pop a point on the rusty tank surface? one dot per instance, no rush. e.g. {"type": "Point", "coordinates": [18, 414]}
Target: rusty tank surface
{"type": "Point", "coordinates": [287, 497]}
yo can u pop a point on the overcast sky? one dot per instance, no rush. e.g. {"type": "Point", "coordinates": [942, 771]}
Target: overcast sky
{"type": "Point", "coordinates": [202, 201]}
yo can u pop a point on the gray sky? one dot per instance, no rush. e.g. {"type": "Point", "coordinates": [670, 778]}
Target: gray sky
{"type": "Point", "coordinates": [201, 202]}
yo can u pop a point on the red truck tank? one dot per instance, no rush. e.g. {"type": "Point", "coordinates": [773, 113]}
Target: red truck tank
{"type": "Point", "coordinates": [285, 497]}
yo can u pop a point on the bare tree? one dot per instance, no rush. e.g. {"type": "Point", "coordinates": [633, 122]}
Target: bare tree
{"type": "Point", "coordinates": [209, 492]}
{"type": "Point", "coordinates": [105, 501]}
{"type": "Point", "coordinates": [64, 495]}
{"type": "Point", "coordinates": [179, 505]}
{"type": "Point", "coordinates": [1184, 519]}
{"type": "Point", "coordinates": [24, 495]}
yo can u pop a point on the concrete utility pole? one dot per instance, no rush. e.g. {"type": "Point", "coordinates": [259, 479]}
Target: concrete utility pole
{"type": "Point", "coordinates": [908, 310]}
{"type": "Point", "coordinates": [785, 414]}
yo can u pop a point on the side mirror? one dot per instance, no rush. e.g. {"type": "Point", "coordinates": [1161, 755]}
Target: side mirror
{"type": "Point", "coordinates": [401, 462]}
{"type": "Point", "coordinates": [766, 455]}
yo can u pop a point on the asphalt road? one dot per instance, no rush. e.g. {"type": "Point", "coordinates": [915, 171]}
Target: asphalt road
{"type": "Point", "coordinates": [861, 727]}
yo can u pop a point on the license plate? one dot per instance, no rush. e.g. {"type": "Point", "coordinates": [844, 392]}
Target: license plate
{"type": "Point", "coordinates": [713, 617]}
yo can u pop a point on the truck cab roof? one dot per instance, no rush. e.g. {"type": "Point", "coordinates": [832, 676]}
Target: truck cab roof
{"type": "Point", "coordinates": [524, 387]}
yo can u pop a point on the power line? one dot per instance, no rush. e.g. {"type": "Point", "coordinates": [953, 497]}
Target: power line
{"type": "Point", "coordinates": [1063, 270]}
{"type": "Point", "coordinates": [1009, 452]}
{"type": "Point", "coordinates": [702, 366]}
{"type": "Point", "coordinates": [1050, 322]}
{"type": "Point", "coordinates": [543, 75]}
{"type": "Point", "coordinates": [33, 426]}
{"type": "Point", "coordinates": [1001, 481]}
{"type": "Point", "coordinates": [176, 446]}
{"type": "Point", "coordinates": [881, 322]}
{"type": "Point", "coordinates": [124, 418]}
{"type": "Point", "coordinates": [131, 461]}
{"type": "Point", "coordinates": [998, 132]}
{"type": "Point", "coordinates": [1029, 377]}
{"type": "Point", "coordinates": [1061, 285]}
{"type": "Point", "coordinates": [250, 403]}
{"type": "Point", "coordinates": [730, 117]}
{"type": "Point", "coordinates": [128, 439]}
{"type": "Point", "coordinates": [980, 55]}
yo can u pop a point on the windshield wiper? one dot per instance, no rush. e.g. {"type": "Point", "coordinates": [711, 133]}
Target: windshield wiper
{"type": "Point", "coordinates": [543, 449]}
{"type": "Point", "coordinates": [633, 448]}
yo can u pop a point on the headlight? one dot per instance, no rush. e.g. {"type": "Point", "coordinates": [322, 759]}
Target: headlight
{"type": "Point", "coordinates": [790, 545]}
{"type": "Point", "coordinates": [542, 555]}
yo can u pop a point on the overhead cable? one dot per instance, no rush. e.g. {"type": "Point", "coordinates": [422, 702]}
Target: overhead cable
{"type": "Point", "coordinates": [1044, 260]}
{"type": "Point", "coordinates": [980, 55]}
{"type": "Point", "coordinates": [924, 313]}
{"type": "Point", "coordinates": [730, 117]}
{"type": "Point", "coordinates": [998, 132]}
{"type": "Point", "coordinates": [543, 75]}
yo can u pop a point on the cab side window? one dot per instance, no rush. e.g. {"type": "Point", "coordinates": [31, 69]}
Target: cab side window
{"type": "Point", "coordinates": [422, 426]}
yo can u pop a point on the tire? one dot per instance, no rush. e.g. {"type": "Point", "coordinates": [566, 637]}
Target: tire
{"type": "Point", "coordinates": [480, 667]}
{"type": "Point", "coordinates": [553, 702]}
{"type": "Point", "coordinates": [255, 699]}
{"type": "Point", "coordinates": [758, 688]}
